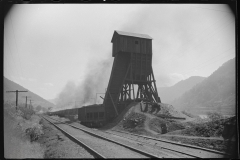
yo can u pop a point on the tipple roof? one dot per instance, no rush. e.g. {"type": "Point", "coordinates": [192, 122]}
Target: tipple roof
{"type": "Point", "coordinates": [145, 36]}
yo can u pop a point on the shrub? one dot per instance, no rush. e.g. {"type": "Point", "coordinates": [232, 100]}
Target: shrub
{"type": "Point", "coordinates": [214, 116]}
{"type": "Point", "coordinates": [38, 108]}
{"type": "Point", "coordinates": [34, 132]}
{"type": "Point", "coordinates": [210, 129]}
{"type": "Point", "coordinates": [26, 113]}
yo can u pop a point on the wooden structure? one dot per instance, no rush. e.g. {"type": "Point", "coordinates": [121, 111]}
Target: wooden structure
{"type": "Point", "coordinates": [16, 96]}
{"type": "Point", "coordinates": [132, 74]}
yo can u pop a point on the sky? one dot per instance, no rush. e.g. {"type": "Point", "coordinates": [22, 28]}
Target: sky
{"type": "Point", "coordinates": [57, 50]}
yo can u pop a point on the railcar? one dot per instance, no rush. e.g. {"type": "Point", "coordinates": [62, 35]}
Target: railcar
{"type": "Point", "coordinates": [92, 116]}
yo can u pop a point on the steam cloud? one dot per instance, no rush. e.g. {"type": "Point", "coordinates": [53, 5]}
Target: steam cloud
{"type": "Point", "coordinates": [95, 81]}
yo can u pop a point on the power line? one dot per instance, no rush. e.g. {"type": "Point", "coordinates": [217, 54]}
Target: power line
{"type": "Point", "coordinates": [16, 96]}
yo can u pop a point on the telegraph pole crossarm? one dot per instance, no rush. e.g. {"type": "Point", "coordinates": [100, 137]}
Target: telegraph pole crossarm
{"type": "Point", "coordinates": [16, 96]}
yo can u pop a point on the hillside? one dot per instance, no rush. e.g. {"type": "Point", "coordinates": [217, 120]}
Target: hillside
{"type": "Point", "coordinates": [168, 94]}
{"type": "Point", "coordinates": [11, 86]}
{"type": "Point", "coordinates": [52, 101]}
{"type": "Point", "coordinates": [217, 93]}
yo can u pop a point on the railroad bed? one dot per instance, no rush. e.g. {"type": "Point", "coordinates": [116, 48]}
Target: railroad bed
{"type": "Point", "coordinates": [99, 146]}
{"type": "Point", "coordinates": [194, 151]}
{"type": "Point", "coordinates": [115, 144]}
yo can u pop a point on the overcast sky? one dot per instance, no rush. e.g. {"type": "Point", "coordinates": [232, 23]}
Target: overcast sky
{"type": "Point", "coordinates": [49, 46]}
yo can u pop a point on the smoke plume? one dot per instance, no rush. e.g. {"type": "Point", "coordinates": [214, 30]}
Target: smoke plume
{"type": "Point", "coordinates": [95, 81]}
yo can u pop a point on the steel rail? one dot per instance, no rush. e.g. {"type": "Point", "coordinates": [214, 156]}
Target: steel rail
{"type": "Point", "coordinates": [159, 146]}
{"type": "Point", "coordinates": [89, 148]}
{"type": "Point", "coordinates": [179, 144]}
{"type": "Point", "coordinates": [105, 138]}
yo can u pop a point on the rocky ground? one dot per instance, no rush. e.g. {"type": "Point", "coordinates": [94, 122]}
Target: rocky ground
{"type": "Point", "coordinates": [51, 143]}
{"type": "Point", "coordinates": [190, 130]}
{"type": "Point", "coordinates": [26, 135]}
{"type": "Point", "coordinates": [58, 145]}
{"type": "Point", "coordinates": [17, 143]}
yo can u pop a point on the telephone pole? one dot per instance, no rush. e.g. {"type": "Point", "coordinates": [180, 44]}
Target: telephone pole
{"type": "Point", "coordinates": [26, 100]}
{"type": "Point", "coordinates": [16, 96]}
{"type": "Point", "coordinates": [30, 105]}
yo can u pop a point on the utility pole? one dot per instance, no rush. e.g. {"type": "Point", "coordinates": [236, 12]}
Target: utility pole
{"type": "Point", "coordinates": [26, 100]}
{"type": "Point", "coordinates": [16, 96]}
{"type": "Point", "coordinates": [30, 105]}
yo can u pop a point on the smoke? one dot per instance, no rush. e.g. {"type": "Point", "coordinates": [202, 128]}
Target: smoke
{"type": "Point", "coordinates": [95, 80]}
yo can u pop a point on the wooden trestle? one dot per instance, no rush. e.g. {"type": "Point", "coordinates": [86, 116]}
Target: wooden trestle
{"type": "Point", "coordinates": [131, 79]}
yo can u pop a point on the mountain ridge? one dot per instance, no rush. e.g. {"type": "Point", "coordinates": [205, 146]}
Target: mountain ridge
{"type": "Point", "coordinates": [216, 93]}
{"type": "Point", "coordinates": [168, 94]}
{"type": "Point", "coordinates": [12, 86]}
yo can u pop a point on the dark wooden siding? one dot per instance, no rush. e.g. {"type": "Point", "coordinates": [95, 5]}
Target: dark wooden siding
{"type": "Point", "coordinates": [128, 44]}
{"type": "Point", "coordinates": [81, 114]}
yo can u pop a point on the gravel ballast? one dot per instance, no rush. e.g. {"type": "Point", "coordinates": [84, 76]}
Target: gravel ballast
{"type": "Point", "coordinates": [57, 145]}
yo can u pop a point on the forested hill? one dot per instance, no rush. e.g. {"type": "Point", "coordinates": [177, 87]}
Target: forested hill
{"type": "Point", "coordinates": [168, 94]}
{"type": "Point", "coordinates": [216, 93]}
{"type": "Point", "coordinates": [12, 86]}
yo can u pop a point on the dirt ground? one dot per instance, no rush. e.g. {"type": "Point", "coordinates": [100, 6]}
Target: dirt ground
{"type": "Point", "coordinates": [145, 123]}
{"type": "Point", "coordinates": [51, 144]}
{"type": "Point", "coordinates": [211, 143]}
{"type": "Point", "coordinates": [58, 145]}
{"type": "Point", "coordinates": [16, 144]}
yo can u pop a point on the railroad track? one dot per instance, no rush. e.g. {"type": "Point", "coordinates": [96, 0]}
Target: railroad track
{"type": "Point", "coordinates": [200, 149]}
{"type": "Point", "coordinates": [92, 149]}
{"type": "Point", "coordinates": [184, 150]}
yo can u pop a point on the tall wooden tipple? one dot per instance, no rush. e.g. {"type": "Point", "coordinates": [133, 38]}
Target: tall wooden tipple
{"type": "Point", "coordinates": [132, 77]}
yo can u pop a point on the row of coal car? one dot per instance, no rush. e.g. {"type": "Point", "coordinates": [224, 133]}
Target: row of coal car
{"type": "Point", "coordinates": [91, 116]}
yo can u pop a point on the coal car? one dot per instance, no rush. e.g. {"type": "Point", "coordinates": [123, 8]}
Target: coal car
{"type": "Point", "coordinates": [92, 116]}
